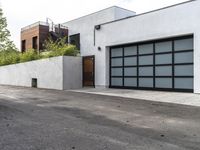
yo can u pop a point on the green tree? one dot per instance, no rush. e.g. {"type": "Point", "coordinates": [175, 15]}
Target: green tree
{"type": "Point", "coordinates": [5, 42]}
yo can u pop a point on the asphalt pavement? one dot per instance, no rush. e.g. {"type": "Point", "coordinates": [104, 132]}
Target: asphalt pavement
{"type": "Point", "coordinates": [38, 119]}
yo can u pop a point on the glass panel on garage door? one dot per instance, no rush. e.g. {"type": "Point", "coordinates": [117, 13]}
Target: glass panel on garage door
{"type": "Point", "coordinates": [162, 64]}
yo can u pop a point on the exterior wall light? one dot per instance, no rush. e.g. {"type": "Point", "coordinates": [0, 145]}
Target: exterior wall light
{"type": "Point", "coordinates": [99, 48]}
{"type": "Point", "coordinates": [98, 27]}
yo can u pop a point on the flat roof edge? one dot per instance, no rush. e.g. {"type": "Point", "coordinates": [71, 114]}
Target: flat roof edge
{"type": "Point", "coordinates": [39, 23]}
{"type": "Point", "coordinates": [150, 12]}
{"type": "Point", "coordinates": [98, 12]}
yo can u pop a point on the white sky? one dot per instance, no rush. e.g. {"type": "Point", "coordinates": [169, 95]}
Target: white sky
{"type": "Point", "coordinates": [21, 13]}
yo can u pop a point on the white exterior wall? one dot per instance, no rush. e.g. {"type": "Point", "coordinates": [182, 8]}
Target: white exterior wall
{"type": "Point", "coordinates": [174, 21]}
{"type": "Point", "coordinates": [72, 72]}
{"type": "Point", "coordinates": [52, 73]}
{"type": "Point", "coordinates": [122, 13]}
{"type": "Point", "coordinates": [85, 26]}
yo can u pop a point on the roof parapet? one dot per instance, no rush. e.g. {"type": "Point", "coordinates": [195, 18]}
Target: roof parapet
{"type": "Point", "coordinates": [44, 24]}
{"type": "Point", "coordinates": [34, 25]}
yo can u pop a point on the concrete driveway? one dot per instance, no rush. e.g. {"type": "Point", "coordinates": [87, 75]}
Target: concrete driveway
{"type": "Point", "coordinates": [34, 119]}
{"type": "Point", "coordinates": [183, 98]}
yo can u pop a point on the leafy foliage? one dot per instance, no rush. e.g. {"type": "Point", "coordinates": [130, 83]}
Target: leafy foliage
{"type": "Point", "coordinates": [29, 55]}
{"type": "Point", "coordinates": [5, 42]}
{"type": "Point", "coordinates": [53, 49]}
{"type": "Point", "coordinates": [9, 57]}
{"type": "Point", "coordinates": [60, 48]}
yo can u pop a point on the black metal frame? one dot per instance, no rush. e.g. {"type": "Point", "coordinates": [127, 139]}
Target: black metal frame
{"type": "Point", "coordinates": [91, 56]}
{"type": "Point", "coordinates": [154, 65]}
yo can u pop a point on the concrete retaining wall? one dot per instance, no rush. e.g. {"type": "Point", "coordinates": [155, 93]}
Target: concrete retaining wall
{"type": "Point", "coordinates": [72, 72]}
{"type": "Point", "coordinates": [51, 73]}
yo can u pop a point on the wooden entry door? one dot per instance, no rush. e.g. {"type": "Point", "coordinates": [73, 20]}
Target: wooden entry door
{"type": "Point", "coordinates": [88, 71]}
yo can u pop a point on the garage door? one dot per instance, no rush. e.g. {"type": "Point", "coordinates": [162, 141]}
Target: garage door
{"type": "Point", "coordinates": [162, 65]}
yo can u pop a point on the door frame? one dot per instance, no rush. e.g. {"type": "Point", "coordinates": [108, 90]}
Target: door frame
{"type": "Point", "coordinates": [90, 56]}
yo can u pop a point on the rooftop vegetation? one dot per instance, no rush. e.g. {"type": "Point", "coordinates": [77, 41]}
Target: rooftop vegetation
{"type": "Point", "coordinates": [53, 49]}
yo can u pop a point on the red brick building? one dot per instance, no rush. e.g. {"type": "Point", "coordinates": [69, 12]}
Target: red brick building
{"type": "Point", "coordinates": [33, 36]}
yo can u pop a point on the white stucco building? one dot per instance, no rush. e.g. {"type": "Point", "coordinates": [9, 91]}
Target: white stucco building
{"type": "Point", "coordinates": [156, 50]}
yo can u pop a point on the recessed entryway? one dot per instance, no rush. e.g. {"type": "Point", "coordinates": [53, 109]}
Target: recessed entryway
{"type": "Point", "coordinates": [88, 71]}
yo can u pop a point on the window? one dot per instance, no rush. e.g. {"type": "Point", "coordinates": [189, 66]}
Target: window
{"type": "Point", "coordinates": [163, 59]}
{"type": "Point", "coordinates": [34, 43]}
{"type": "Point", "coordinates": [116, 72]}
{"type": "Point", "coordinates": [184, 70]}
{"type": "Point", "coordinates": [163, 82]}
{"type": "Point", "coordinates": [146, 60]}
{"type": "Point", "coordinates": [163, 70]}
{"type": "Point", "coordinates": [130, 61]}
{"type": "Point", "coordinates": [117, 62]}
{"type": "Point", "coordinates": [163, 47]}
{"type": "Point", "coordinates": [116, 52]}
{"type": "Point", "coordinates": [184, 57]}
{"type": "Point", "coordinates": [23, 48]}
{"type": "Point", "coordinates": [146, 82]}
{"type": "Point", "coordinates": [146, 49]}
{"type": "Point", "coordinates": [183, 83]}
{"type": "Point", "coordinates": [128, 51]}
{"type": "Point", "coordinates": [116, 81]}
{"type": "Point", "coordinates": [130, 82]}
{"type": "Point", "coordinates": [75, 40]}
{"type": "Point", "coordinates": [184, 44]}
{"type": "Point", "coordinates": [130, 71]}
{"type": "Point", "coordinates": [145, 71]}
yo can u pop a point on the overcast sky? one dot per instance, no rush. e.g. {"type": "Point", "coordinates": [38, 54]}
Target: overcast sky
{"type": "Point", "coordinates": [21, 13]}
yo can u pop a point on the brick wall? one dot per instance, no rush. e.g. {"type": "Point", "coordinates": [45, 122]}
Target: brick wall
{"type": "Point", "coordinates": [40, 31]}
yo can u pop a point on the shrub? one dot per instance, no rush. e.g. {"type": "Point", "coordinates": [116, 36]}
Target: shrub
{"type": "Point", "coordinates": [68, 50]}
{"type": "Point", "coordinates": [29, 55]}
{"type": "Point", "coordinates": [9, 57]}
{"type": "Point", "coordinates": [60, 48]}
{"type": "Point", "coordinates": [57, 48]}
